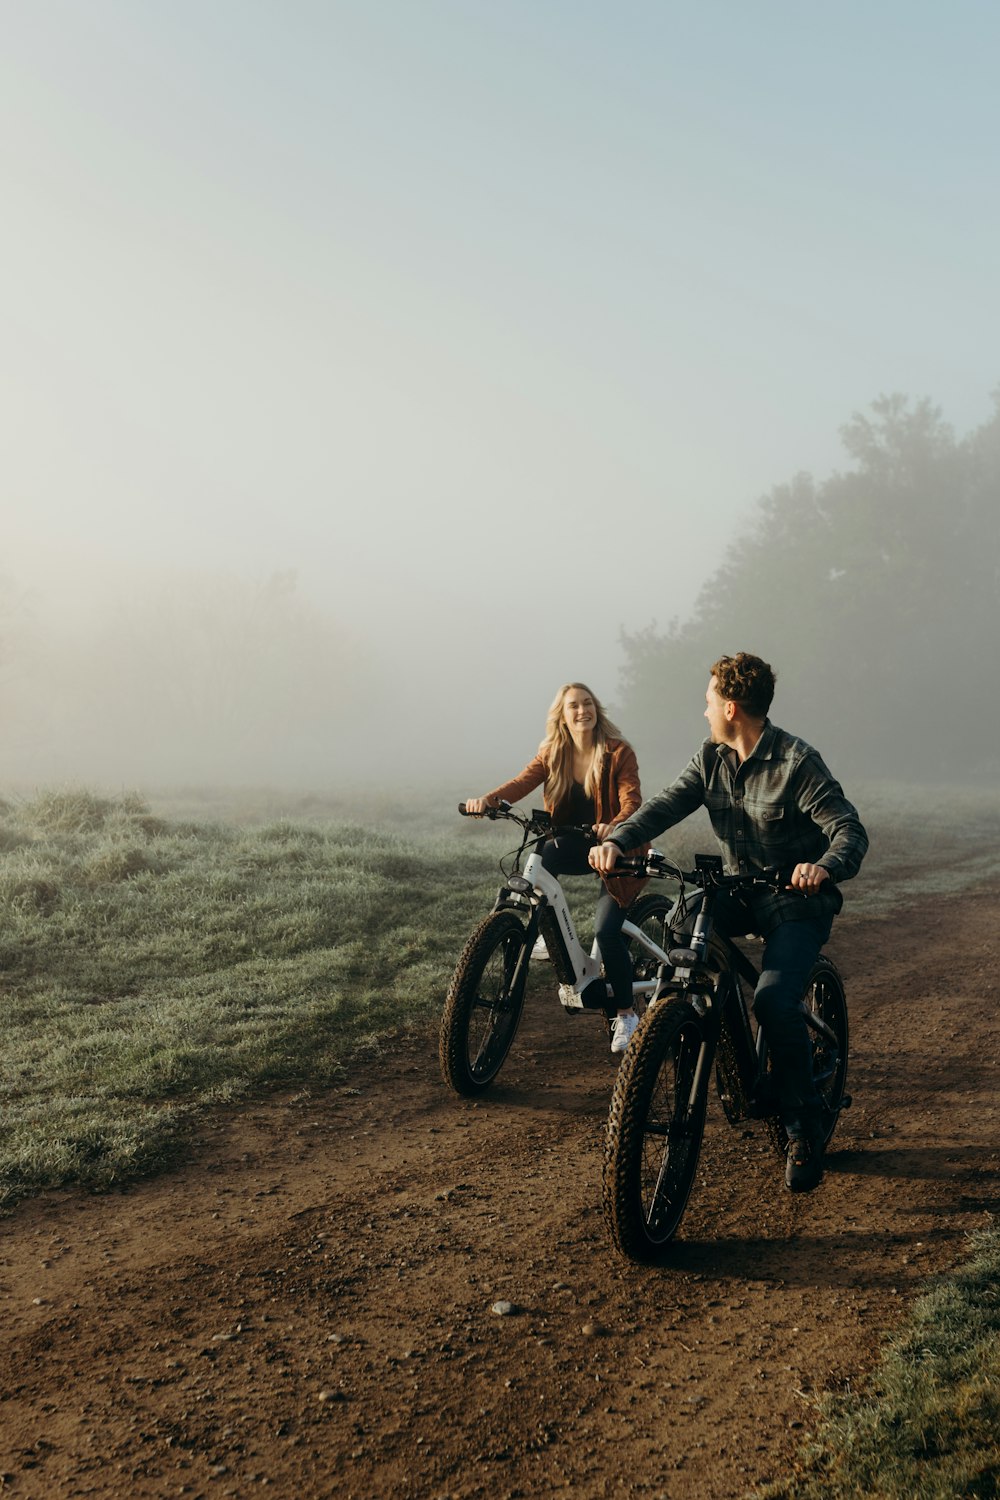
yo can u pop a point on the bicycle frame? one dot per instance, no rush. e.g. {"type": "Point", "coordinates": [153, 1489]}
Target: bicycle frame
{"type": "Point", "coordinates": [582, 985]}
{"type": "Point", "coordinates": [741, 1055]}
{"type": "Point", "coordinates": [699, 1020]}
{"type": "Point", "coordinates": [539, 894]}
{"type": "Point", "coordinates": [487, 992]}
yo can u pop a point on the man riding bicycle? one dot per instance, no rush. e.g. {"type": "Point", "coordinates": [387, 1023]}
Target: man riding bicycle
{"type": "Point", "coordinates": [772, 802]}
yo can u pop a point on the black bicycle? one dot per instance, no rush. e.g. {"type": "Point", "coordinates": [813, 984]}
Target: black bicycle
{"type": "Point", "coordinates": [699, 1016]}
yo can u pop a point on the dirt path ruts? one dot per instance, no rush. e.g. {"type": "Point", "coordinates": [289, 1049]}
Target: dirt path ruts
{"type": "Point", "coordinates": [305, 1310]}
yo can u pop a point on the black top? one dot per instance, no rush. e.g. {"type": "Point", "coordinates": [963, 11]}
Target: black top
{"type": "Point", "coordinates": [576, 809]}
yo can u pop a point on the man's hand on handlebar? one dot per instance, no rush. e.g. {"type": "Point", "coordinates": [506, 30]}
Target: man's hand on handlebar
{"type": "Point", "coordinates": [604, 857]}
{"type": "Point", "coordinates": [808, 878]}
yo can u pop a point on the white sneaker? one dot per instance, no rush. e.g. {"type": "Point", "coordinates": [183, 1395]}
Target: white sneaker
{"type": "Point", "coordinates": [539, 951]}
{"type": "Point", "coordinates": [622, 1030]}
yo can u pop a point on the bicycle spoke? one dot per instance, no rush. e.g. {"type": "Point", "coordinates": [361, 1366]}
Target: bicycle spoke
{"type": "Point", "coordinates": [654, 1129]}
{"type": "Point", "coordinates": [484, 1004]}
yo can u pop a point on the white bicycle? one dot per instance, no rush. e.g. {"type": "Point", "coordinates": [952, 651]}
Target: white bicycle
{"type": "Point", "coordinates": [486, 995]}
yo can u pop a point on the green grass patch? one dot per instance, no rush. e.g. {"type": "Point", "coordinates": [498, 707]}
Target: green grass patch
{"type": "Point", "coordinates": [927, 1422]}
{"type": "Point", "coordinates": [154, 962]}
{"type": "Point", "coordinates": [149, 968]}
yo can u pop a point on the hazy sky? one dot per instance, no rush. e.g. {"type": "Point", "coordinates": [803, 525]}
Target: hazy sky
{"type": "Point", "coordinates": [492, 321]}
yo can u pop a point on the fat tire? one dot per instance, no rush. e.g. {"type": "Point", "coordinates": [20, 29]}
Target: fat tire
{"type": "Point", "coordinates": [651, 909]}
{"type": "Point", "coordinates": [825, 997]}
{"type": "Point", "coordinates": [481, 1010]}
{"type": "Point", "coordinates": [649, 1160]}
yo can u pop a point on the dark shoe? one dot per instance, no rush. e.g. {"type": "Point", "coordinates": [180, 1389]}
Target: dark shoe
{"type": "Point", "coordinates": [803, 1163]}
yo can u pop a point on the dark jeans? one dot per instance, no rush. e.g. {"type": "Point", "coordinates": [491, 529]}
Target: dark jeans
{"type": "Point", "coordinates": [789, 953]}
{"type": "Point", "coordinates": [566, 854]}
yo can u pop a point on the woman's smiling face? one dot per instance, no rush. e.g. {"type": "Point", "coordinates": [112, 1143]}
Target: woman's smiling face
{"type": "Point", "coordinates": [579, 710]}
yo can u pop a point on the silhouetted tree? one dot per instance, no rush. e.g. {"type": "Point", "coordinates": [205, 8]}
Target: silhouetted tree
{"type": "Point", "coordinates": [873, 594]}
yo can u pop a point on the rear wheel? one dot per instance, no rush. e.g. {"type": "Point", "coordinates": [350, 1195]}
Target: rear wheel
{"type": "Point", "coordinates": [826, 1016]}
{"type": "Point", "coordinates": [483, 1005]}
{"type": "Point", "coordinates": [649, 914]}
{"type": "Point", "coordinates": [654, 1129]}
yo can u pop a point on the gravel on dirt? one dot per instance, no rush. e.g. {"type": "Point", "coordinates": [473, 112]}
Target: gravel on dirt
{"type": "Point", "coordinates": [390, 1291]}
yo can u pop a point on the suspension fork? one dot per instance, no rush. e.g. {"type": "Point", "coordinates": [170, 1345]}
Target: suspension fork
{"type": "Point", "coordinates": [703, 1067]}
{"type": "Point", "coordinates": [709, 1007]}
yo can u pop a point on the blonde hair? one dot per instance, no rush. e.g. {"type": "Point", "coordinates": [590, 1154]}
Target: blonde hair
{"type": "Point", "coordinates": [557, 746]}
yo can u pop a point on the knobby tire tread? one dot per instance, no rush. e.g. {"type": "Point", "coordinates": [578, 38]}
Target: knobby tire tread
{"type": "Point", "coordinates": [485, 942]}
{"type": "Point", "coordinates": [834, 999]}
{"type": "Point", "coordinates": [652, 904]}
{"type": "Point", "coordinates": [650, 1051]}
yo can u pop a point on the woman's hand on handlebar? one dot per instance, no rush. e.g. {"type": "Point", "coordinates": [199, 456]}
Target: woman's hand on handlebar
{"type": "Point", "coordinates": [475, 807]}
{"type": "Point", "coordinates": [604, 857]}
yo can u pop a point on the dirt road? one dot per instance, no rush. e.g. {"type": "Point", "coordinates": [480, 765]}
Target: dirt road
{"type": "Point", "coordinates": [306, 1310]}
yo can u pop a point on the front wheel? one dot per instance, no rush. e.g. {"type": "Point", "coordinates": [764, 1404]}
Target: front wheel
{"type": "Point", "coordinates": [825, 1005]}
{"type": "Point", "coordinates": [654, 1129]}
{"type": "Point", "coordinates": [483, 1005]}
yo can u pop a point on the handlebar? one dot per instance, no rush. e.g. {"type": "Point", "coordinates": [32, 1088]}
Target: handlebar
{"type": "Point", "coordinates": [537, 824]}
{"type": "Point", "coordinates": [709, 875]}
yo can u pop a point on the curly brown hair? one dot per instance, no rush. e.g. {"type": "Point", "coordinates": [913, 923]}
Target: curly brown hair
{"type": "Point", "coordinates": [746, 680]}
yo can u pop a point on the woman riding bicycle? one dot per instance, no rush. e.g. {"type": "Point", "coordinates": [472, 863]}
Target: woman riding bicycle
{"type": "Point", "coordinates": [591, 780]}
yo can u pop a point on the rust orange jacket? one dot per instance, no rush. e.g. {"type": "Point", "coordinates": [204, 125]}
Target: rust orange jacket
{"type": "Point", "coordinates": [618, 797]}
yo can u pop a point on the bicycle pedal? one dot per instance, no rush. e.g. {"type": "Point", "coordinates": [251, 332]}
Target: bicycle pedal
{"type": "Point", "coordinates": [846, 1101]}
{"type": "Point", "coordinates": [569, 998]}
{"type": "Point", "coordinates": [593, 997]}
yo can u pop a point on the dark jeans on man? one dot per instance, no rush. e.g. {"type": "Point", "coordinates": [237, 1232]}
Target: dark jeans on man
{"type": "Point", "coordinates": [790, 951]}
{"type": "Point", "coordinates": [566, 854]}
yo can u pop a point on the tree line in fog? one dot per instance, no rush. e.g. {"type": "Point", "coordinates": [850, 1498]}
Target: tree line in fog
{"type": "Point", "coordinates": [874, 595]}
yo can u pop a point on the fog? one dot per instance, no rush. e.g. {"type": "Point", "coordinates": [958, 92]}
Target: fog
{"type": "Point", "coordinates": [368, 370]}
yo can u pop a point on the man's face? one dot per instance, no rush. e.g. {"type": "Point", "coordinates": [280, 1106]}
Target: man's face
{"type": "Point", "coordinates": [715, 712]}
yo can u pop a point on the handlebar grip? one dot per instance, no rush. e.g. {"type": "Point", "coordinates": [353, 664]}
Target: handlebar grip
{"type": "Point", "coordinates": [491, 812]}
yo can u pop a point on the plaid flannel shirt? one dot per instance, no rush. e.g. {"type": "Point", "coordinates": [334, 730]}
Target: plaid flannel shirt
{"type": "Point", "coordinates": [781, 806]}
